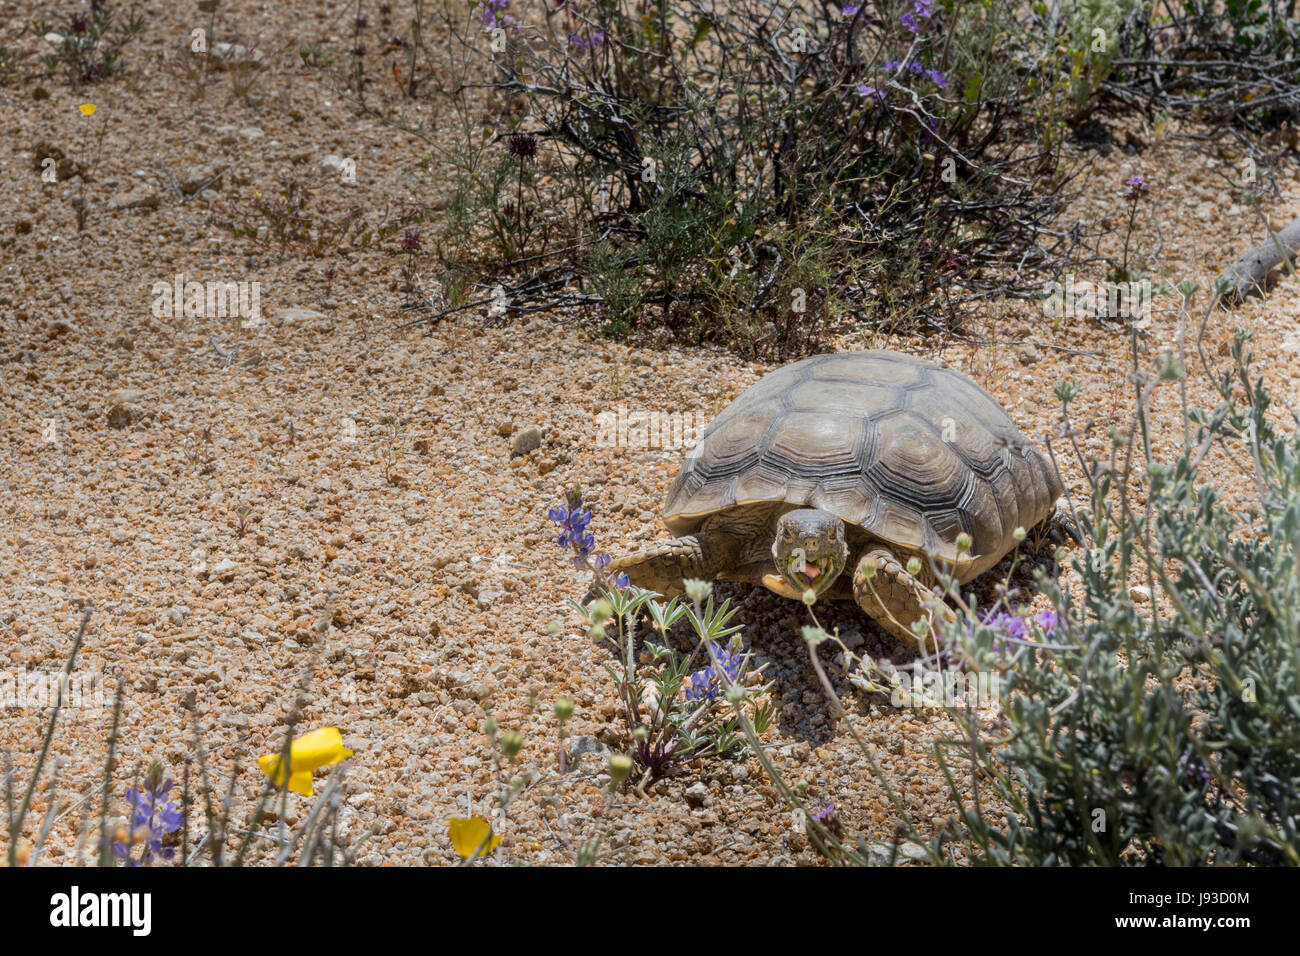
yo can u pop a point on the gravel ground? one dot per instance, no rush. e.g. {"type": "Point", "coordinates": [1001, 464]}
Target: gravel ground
{"type": "Point", "coordinates": [347, 492]}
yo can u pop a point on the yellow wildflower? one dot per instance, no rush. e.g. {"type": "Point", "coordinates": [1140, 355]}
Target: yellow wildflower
{"type": "Point", "coordinates": [466, 835]}
{"type": "Point", "coordinates": [308, 753]}
{"type": "Point", "coordinates": [87, 108]}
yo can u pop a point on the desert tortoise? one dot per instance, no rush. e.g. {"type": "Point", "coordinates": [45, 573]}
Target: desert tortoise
{"type": "Point", "coordinates": [857, 460]}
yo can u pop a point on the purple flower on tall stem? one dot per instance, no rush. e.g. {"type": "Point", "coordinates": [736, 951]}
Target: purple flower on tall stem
{"type": "Point", "coordinates": [573, 519]}
{"type": "Point", "coordinates": [522, 145]}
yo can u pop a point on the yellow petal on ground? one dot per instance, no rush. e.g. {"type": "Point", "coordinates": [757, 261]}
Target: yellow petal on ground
{"type": "Point", "coordinates": [87, 108]}
{"type": "Point", "coordinates": [466, 835]}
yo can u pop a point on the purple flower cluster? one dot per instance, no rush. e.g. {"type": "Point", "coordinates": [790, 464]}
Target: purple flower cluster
{"type": "Point", "coordinates": [582, 43]}
{"type": "Point", "coordinates": [573, 520]}
{"type": "Point", "coordinates": [706, 683]}
{"type": "Point", "coordinates": [1013, 629]}
{"type": "Point", "coordinates": [934, 76]}
{"type": "Point", "coordinates": [151, 811]}
{"type": "Point", "coordinates": [920, 11]}
{"type": "Point", "coordinates": [493, 13]}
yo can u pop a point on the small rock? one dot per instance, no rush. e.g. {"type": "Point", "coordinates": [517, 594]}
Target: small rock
{"type": "Point", "coordinates": [1028, 354]}
{"type": "Point", "coordinates": [1139, 594]}
{"type": "Point", "coordinates": [125, 396]}
{"type": "Point", "coordinates": [291, 315]}
{"type": "Point", "coordinates": [225, 569]}
{"type": "Point", "coordinates": [879, 854]}
{"type": "Point", "coordinates": [697, 794]}
{"type": "Point", "coordinates": [505, 429]}
{"type": "Point", "coordinates": [200, 177]}
{"type": "Point", "coordinates": [526, 441]}
{"type": "Point", "coordinates": [119, 416]}
{"type": "Point", "coordinates": [251, 132]}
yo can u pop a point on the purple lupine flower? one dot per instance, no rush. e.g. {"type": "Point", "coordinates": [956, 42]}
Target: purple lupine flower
{"type": "Point", "coordinates": [893, 65]}
{"type": "Point", "coordinates": [866, 89]}
{"type": "Point", "coordinates": [705, 683]}
{"type": "Point", "coordinates": [909, 21]}
{"type": "Point", "coordinates": [847, 12]}
{"type": "Point", "coordinates": [573, 520]}
{"type": "Point", "coordinates": [937, 78]}
{"type": "Point", "coordinates": [151, 811]}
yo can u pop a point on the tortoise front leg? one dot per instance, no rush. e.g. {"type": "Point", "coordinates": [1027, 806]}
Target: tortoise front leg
{"type": "Point", "coordinates": [665, 567]}
{"type": "Point", "coordinates": [895, 599]}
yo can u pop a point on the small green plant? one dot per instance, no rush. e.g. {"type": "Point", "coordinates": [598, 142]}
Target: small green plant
{"type": "Point", "coordinates": [676, 708]}
{"type": "Point", "coordinates": [90, 46]}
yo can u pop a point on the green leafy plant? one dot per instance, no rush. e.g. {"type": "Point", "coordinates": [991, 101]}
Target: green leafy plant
{"type": "Point", "coordinates": [677, 709]}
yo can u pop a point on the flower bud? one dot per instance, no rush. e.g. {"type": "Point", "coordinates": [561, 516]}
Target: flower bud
{"type": "Point", "coordinates": [963, 543]}
{"type": "Point", "coordinates": [642, 734]}
{"type": "Point", "coordinates": [563, 708]}
{"type": "Point", "coordinates": [814, 635]}
{"type": "Point", "coordinates": [490, 726]}
{"type": "Point", "coordinates": [619, 766]}
{"type": "Point", "coordinates": [600, 611]}
{"type": "Point", "coordinates": [512, 741]}
{"type": "Point", "coordinates": [913, 566]}
{"type": "Point", "coordinates": [597, 633]}
{"type": "Point", "coordinates": [698, 591]}
{"type": "Point", "coordinates": [1018, 534]}
{"type": "Point", "coordinates": [810, 597]}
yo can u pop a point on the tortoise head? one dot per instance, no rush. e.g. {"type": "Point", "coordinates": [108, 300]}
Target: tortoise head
{"type": "Point", "coordinates": [810, 550]}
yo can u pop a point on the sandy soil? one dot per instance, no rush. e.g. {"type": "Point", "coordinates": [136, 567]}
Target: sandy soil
{"type": "Point", "coordinates": [388, 530]}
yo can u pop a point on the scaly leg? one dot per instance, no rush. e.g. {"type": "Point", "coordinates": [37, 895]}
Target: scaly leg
{"type": "Point", "coordinates": [895, 599]}
{"type": "Point", "coordinates": [666, 566]}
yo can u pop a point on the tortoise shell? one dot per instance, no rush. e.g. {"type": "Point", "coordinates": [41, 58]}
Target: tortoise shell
{"type": "Point", "coordinates": [908, 451]}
